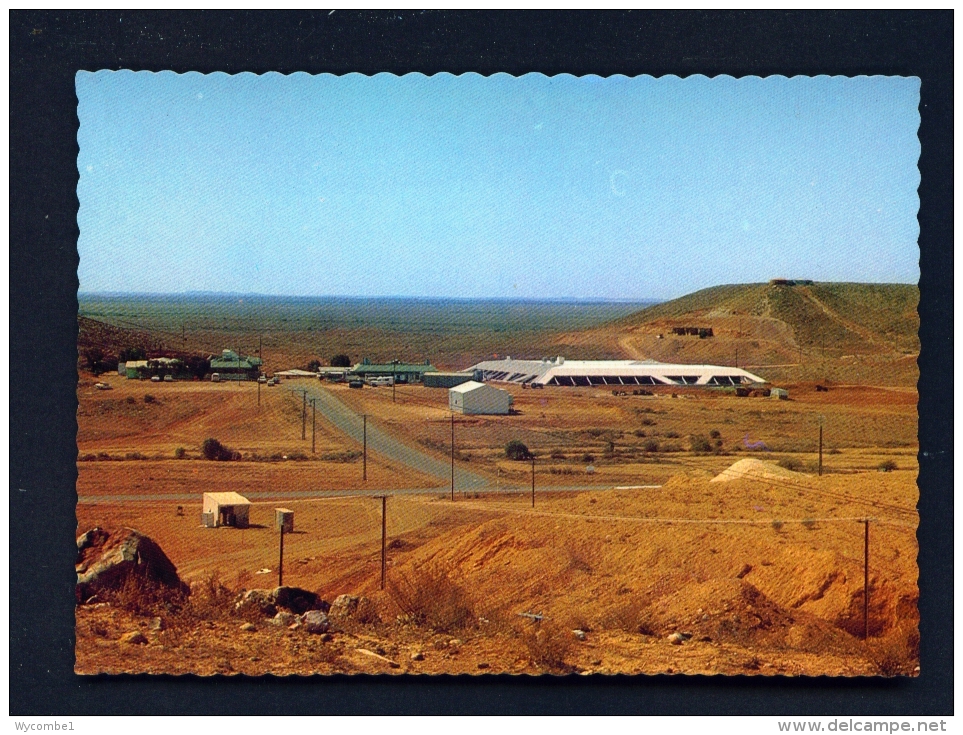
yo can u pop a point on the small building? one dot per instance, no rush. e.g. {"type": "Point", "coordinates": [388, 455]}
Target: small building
{"type": "Point", "coordinates": [284, 520]}
{"type": "Point", "coordinates": [448, 380]}
{"type": "Point", "coordinates": [478, 398]}
{"type": "Point", "coordinates": [230, 365]}
{"type": "Point", "coordinates": [136, 369]}
{"type": "Point", "coordinates": [295, 373]}
{"type": "Point", "coordinates": [225, 509]}
{"type": "Point", "coordinates": [400, 372]}
{"type": "Point", "coordinates": [780, 394]}
{"type": "Point", "coordinates": [122, 369]}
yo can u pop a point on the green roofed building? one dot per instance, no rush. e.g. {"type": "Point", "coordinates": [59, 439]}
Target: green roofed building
{"type": "Point", "coordinates": [229, 365]}
{"type": "Point", "coordinates": [402, 372]}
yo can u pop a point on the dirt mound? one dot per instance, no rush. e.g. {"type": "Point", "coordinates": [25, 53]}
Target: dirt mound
{"type": "Point", "coordinates": [756, 469]}
{"type": "Point", "coordinates": [735, 611]}
{"type": "Point", "coordinates": [106, 559]}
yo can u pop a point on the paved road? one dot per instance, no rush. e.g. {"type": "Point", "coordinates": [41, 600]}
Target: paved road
{"type": "Point", "coordinates": [388, 446]}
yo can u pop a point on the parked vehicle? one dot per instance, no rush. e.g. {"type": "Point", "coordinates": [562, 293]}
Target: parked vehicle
{"type": "Point", "coordinates": [168, 378]}
{"type": "Point", "coordinates": [383, 380]}
{"type": "Point", "coordinates": [262, 379]}
{"type": "Point", "coordinates": [356, 384]}
{"type": "Point", "coordinates": [103, 386]}
{"type": "Point", "coordinates": [273, 381]}
{"type": "Point", "coordinates": [215, 377]}
{"type": "Point", "coordinates": [155, 378]}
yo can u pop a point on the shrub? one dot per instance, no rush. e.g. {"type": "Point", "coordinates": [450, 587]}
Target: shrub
{"type": "Point", "coordinates": [671, 435]}
{"type": "Point", "coordinates": [647, 422]}
{"type": "Point", "coordinates": [86, 457]}
{"type": "Point", "coordinates": [887, 466]}
{"type": "Point", "coordinates": [131, 399]}
{"type": "Point", "coordinates": [180, 453]}
{"type": "Point", "coordinates": [431, 599]}
{"type": "Point", "coordinates": [777, 525]}
{"type": "Point", "coordinates": [639, 433]}
{"type": "Point", "coordinates": [148, 398]}
{"type": "Point", "coordinates": [714, 434]}
{"type": "Point", "coordinates": [809, 523]}
{"type": "Point", "coordinates": [699, 444]}
{"type": "Point", "coordinates": [134, 455]}
{"type": "Point", "coordinates": [516, 450]}
{"type": "Point", "coordinates": [588, 457]}
{"type": "Point", "coordinates": [790, 463]}
{"type": "Point", "coordinates": [651, 445]}
{"type": "Point", "coordinates": [558, 454]}
{"type": "Point", "coordinates": [341, 361]}
{"type": "Point", "coordinates": [212, 449]}
{"type": "Point", "coordinates": [548, 646]}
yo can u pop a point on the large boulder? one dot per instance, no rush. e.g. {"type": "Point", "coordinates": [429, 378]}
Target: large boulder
{"type": "Point", "coordinates": [107, 558]}
{"type": "Point", "coordinates": [298, 600]}
{"type": "Point", "coordinates": [315, 621]}
{"type": "Point", "coordinates": [344, 606]}
{"type": "Point", "coordinates": [267, 603]}
{"type": "Point", "coordinates": [258, 602]}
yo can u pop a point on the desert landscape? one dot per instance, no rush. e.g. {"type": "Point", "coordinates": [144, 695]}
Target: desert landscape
{"type": "Point", "coordinates": [681, 529]}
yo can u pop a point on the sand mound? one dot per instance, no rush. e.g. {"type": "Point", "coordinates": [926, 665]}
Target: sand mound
{"type": "Point", "coordinates": [756, 469]}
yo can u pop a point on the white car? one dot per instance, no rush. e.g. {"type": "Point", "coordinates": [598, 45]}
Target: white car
{"type": "Point", "coordinates": [103, 386]}
{"type": "Point", "coordinates": [155, 378]}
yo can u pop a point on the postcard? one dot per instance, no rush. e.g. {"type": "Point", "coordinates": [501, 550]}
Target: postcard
{"type": "Point", "coordinates": [484, 375]}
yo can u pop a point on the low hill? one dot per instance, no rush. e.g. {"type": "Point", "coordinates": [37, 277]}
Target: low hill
{"type": "Point", "coordinates": [768, 324]}
{"type": "Point", "coordinates": [110, 340]}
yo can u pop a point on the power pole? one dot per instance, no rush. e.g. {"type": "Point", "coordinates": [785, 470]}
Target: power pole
{"type": "Point", "coordinates": [259, 392]}
{"type": "Point", "coordinates": [384, 539]}
{"type": "Point", "coordinates": [533, 480]}
{"type": "Point", "coordinates": [394, 382]}
{"type": "Point", "coordinates": [820, 449]}
{"type": "Point", "coordinates": [865, 578]}
{"type": "Point", "coordinates": [364, 454]}
{"type": "Point", "coordinates": [314, 421]}
{"type": "Point", "coordinates": [453, 458]}
{"type": "Point", "coordinates": [281, 559]}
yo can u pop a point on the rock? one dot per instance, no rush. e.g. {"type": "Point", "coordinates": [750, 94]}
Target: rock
{"type": "Point", "coordinates": [675, 639]}
{"type": "Point", "coordinates": [105, 560]}
{"type": "Point", "coordinates": [326, 637]}
{"type": "Point", "coordinates": [596, 662]}
{"type": "Point", "coordinates": [417, 656]}
{"type": "Point", "coordinates": [249, 627]}
{"type": "Point", "coordinates": [315, 621]}
{"type": "Point", "coordinates": [157, 624]}
{"type": "Point", "coordinates": [455, 642]}
{"type": "Point", "coordinates": [580, 634]}
{"type": "Point", "coordinates": [482, 664]}
{"type": "Point", "coordinates": [135, 637]}
{"type": "Point", "coordinates": [260, 602]}
{"type": "Point", "coordinates": [295, 625]}
{"type": "Point", "coordinates": [378, 657]}
{"type": "Point", "coordinates": [283, 619]}
{"type": "Point", "coordinates": [298, 600]}
{"type": "Point", "coordinates": [746, 568]}
{"type": "Point", "coordinates": [344, 605]}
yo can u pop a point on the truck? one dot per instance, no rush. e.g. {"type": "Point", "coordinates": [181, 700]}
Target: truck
{"type": "Point", "coordinates": [379, 381]}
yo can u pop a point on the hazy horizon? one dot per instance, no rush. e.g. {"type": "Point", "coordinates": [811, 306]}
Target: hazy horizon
{"type": "Point", "coordinates": [501, 187]}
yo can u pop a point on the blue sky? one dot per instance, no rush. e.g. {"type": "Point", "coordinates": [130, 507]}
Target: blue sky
{"type": "Point", "coordinates": [471, 186]}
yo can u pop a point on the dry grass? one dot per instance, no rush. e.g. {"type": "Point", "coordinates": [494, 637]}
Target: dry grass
{"type": "Point", "coordinates": [549, 646]}
{"type": "Point", "coordinates": [431, 599]}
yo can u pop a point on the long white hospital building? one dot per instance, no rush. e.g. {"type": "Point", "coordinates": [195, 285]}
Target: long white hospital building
{"type": "Point", "coordinates": [559, 371]}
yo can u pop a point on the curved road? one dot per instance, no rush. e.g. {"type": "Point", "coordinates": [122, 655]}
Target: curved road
{"type": "Point", "coordinates": [388, 446]}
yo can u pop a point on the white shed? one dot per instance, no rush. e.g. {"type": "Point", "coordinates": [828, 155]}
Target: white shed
{"type": "Point", "coordinates": [478, 398]}
{"type": "Point", "coordinates": [225, 509]}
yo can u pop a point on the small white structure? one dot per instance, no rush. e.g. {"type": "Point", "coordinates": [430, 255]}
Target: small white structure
{"type": "Point", "coordinates": [780, 394]}
{"type": "Point", "coordinates": [295, 373]}
{"type": "Point", "coordinates": [478, 398]}
{"type": "Point", "coordinates": [284, 520]}
{"type": "Point", "coordinates": [225, 509]}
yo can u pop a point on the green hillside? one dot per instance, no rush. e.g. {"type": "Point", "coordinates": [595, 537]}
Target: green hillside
{"type": "Point", "coordinates": [842, 316]}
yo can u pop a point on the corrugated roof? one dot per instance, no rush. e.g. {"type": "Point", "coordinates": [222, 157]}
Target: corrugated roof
{"type": "Point", "coordinates": [473, 385]}
{"type": "Point", "coordinates": [227, 498]}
